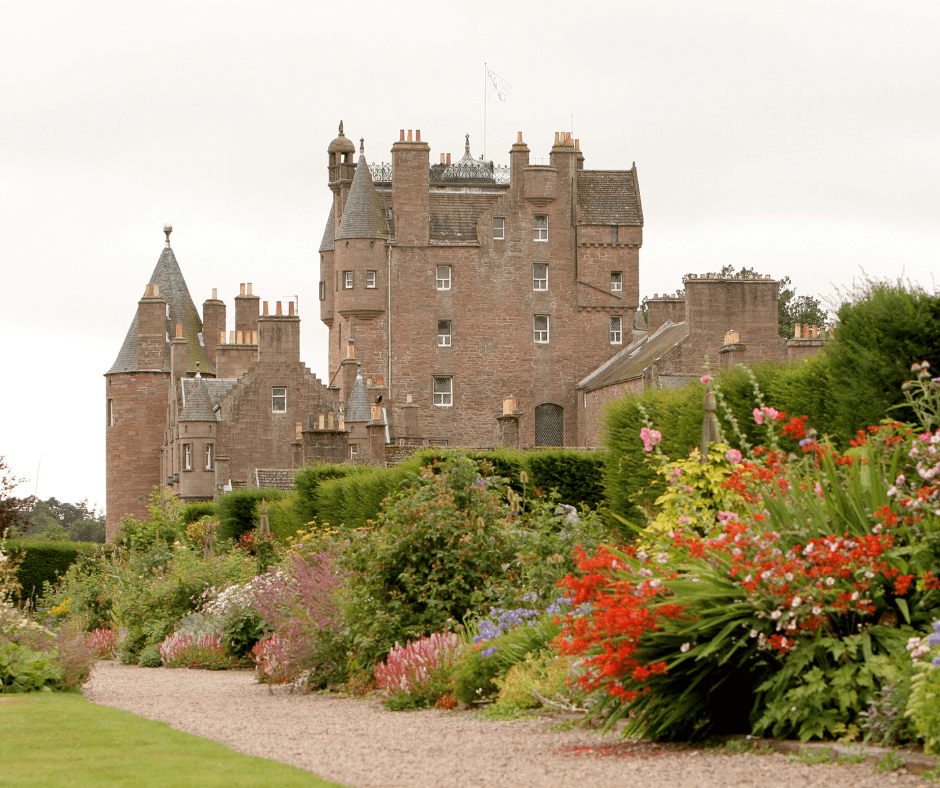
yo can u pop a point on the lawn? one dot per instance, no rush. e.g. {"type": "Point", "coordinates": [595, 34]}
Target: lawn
{"type": "Point", "coordinates": [61, 739]}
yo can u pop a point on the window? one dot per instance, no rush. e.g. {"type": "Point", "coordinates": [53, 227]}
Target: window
{"type": "Point", "coordinates": [443, 333]}
{"type": "Point", "coordinates": [347, 280]}
{"type": "Point", "coordinates": [540, 328]}
{"type": "Point", "coordinates": [210, 457]}
{"type": "Point", "coordinates": [499, 228]}
{"type": "Point", "coordinates": [279, 399]}
{"type": "Point", "coordinates": [540, 231]}
{"type": "Point", "coordinates": [616, 281]}
{"type": "Point", "coordinates": [353, 451]}
{"type": "Point", "coordinates": [444, 391]}
{"type": "Point", "coordinates": [614, 235]}
{"type": "Point", "coordinates": [443, 277]}
{"type": "Point", "coordinates": [370, 280]}
{"type": "Point", "coordinates": [187, 456]}
{"type": "Point", "coordinates": [110, 412]}
{"type": "Point", "coordinates": [549, 425]}
{"type": "Point", "coordinates": [616, 330]}
{"type": "Point", "coordinates": [540, 276]}
{"type": "Point", "coordinates": [322, 290]}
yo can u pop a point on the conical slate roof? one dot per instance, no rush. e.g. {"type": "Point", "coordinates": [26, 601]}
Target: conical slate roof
{"type": "Point", "coordinates": [197, 402]}
{"type": "Point", "coordinates": [363, 216]}
{"type": "Point", "coordinates": [173, 290]}
{"type": "Point", "coordinates": [357, 406]}
{"type": "Point", "coordinates": [326, 245]}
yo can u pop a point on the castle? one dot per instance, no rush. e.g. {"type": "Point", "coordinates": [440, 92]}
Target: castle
{"type": "Point", "coordinates": [468, 305]}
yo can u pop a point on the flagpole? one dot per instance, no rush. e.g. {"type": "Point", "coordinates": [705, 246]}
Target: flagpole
{"type": "Point", "coordinates": [484, 108]}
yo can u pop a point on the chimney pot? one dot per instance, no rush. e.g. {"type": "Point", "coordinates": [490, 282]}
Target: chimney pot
{"type": "Point", "coordinates": [448, 158]}
{"type": "Point", "coordinates": [231, 337]}
{"type": "Point", "coordinates": [222, 337]}
{"type": "Point", "coordinates": [278, 312]}
{"type": "Point", "coordinates": [402, 137]}
{"type": "Point", "coordinates": [241, 289]}
{"type": "Point", "coordinates": [265, 307]}
{"type": "Point", "coordinates": [442, 158]}
{"type": "Point", "coordinates": [290, 307]}
{"type": "Point", "coordinates": [249, 288]}
{"type": "Point", "coordinates": [518, 136]}
{"type": "Point", "coordinates": [156, 291]}
{"type": "Point", "coordinates": [179, 330]}
{"type": "Point", "coordinates": [409, 135]}
{"type": "Point", "coordinates": [215, 294]}
{"type": "Point", "coordinates": [417, 135]}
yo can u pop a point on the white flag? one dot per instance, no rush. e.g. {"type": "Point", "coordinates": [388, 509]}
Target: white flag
{"type": "Point", "coordinates": [500, 85]}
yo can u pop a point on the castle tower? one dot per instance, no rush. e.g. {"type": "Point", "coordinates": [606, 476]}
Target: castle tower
{"type": "Point", "coordinates": [359, 258]}
{"type": "Point", "coordinates": [137, 388]}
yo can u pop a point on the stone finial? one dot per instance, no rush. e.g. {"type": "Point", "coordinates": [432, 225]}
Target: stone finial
{"type": "Point", "coordinates": [341, 129]}
{"type": "Point", "coordinates": [167, 229]}
{"type": "Point", "coordinates": [362, 145]}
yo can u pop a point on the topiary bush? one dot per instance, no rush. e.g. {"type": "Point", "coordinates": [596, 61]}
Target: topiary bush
{"type": "Point", "coordinates": [196, 511]}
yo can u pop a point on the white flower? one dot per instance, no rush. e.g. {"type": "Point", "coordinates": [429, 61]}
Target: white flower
{"type": "Point", "coordinates": [684, 647]}
{"type": "Point", "coordinates": [775, 615]}
{"type": "Point", "coordinates": [754, 633]}
{"type": "Point", "coordinates": [816, 610]}
{"type": "Point", "coordinates": [830, 581]}
{"type": "Point", "coordinates": [796, 602]}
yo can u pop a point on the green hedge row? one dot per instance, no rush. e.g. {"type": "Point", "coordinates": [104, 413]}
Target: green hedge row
{"type": "Point", "coordinates": [352, 496]}
{"type": "Point", "coordinates": [42, 562]}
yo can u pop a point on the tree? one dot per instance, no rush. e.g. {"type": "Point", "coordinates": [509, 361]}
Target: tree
{"type": "Point", "coordinates": [54, 520]}
{"type": "Point", "coordinates": [12, 509]}
{"type": "Point", "coordinates": [791, 308]}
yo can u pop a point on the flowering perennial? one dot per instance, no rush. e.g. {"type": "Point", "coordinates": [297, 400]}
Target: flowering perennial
{"type": "Point", "coordinates": [413, 668]}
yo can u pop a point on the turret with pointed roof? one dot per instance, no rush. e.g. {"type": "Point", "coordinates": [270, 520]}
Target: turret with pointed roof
{"type": "Point", "coordinates": [171, 287]}
{"type": "Point", "coordinates": [363, 216]}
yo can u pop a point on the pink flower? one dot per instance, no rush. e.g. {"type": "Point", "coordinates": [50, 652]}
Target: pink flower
{"type": "Point", "coordinates": [733, 456]}
{"type": "Point", "coordinates": [771, 413]}
{"type": "Point", "coordinates": [706, 378]}
{"type": "Point", "coordinates": [688, 489]}
{"type": "Point", "coordinates": [650, 438]}
{"type": "Point", "coordinates": [758, 415]}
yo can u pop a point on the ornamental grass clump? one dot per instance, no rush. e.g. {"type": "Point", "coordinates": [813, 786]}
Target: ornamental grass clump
{"type": "Point", "coordinates": [416, 675]}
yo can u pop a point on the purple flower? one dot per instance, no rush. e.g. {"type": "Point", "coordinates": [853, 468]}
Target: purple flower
{"type": "Point", "coordinates": [488, 651]}
{"type": "Point", "coordinates": [934, 639]}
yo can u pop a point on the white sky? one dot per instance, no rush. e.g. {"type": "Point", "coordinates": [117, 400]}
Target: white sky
{"type": "Point", "coordinates": [798, 138]}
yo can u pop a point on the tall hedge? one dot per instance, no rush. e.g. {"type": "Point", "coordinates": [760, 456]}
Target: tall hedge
{"type": "Point", "coordinates": [42, 562]}
{"type": "Point", "coordinates": [238, 510]}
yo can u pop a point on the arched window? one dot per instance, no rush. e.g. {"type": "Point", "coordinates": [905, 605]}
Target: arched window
{"type": "Point", "coordinates": [549, 425]}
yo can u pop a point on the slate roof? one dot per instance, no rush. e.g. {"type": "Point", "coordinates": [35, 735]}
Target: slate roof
{"type": "Point", "coordinates": [609, 197]}
{"type": "Point", "coordinates": [173, 290]}
{"type": "Point", "coordinates": [326, 245]}
{"type": "Point", "coordinates": [363, 216]}
{"type": "Point", "coordinates": [631, 362]}
{"type": "Point", "coordinates": [200, 398]}
{"type": "Point", "coordinates": [357, 406]}
{"type": "Point", "coordinates": [454, 215]}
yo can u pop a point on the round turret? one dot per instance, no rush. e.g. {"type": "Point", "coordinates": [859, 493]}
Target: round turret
{"type": "Point", "coordinates": [342, 144]}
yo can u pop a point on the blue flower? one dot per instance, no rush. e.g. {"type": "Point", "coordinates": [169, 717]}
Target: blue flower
{"type": "Point", "coordinates": [934, 639]}
{"type": "Point", "coordinates": [487, 651]}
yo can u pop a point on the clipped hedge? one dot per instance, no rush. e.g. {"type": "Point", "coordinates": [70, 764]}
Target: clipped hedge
{"type": "Point", "coordinates": [42, 562]}
{"type": "Point", "coordinates": [238, 512]}
{"type": "Point", "coordinates": [352, 495]}
{"type": "Point", "coordinates": [195, 511]}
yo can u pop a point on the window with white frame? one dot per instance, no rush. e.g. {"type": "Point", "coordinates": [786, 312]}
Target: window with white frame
{"type": "Point", "coordinates": [443, 333]}
{"type": "Point", "coordinates": [499, 228]}
{"type": "Point", "coordinates": [347, 280]}
{"type": "Point", "coordinates": [443, 391]}
{"type": "Point", "coordinates": [540, 276]}
{"type": "Point", "coordinates": [616, 281]}
{"type": "Point", "coordinates": [110, 412]}
{"type": "Point", "coordinates": [540, 227]}
{"type": "Point", "coordinates": [616, 330]}
{"type": "Point", "coordinates": [279, 399]}
{"type": "Point", "coordinates": [210, 457]}
{"type": "Point", "coordinates": [187, 456]}
{"type": "Point", "coordinates": [443, 277]}
{"type": "Point", "coordinates": [322, 290]}
{"type": "Point", "coordinates": [540, 328]}
{"type": "Point", "coordinates": [370, 280]}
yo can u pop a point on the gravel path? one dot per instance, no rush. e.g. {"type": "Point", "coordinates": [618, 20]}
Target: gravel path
{"type": "Point", "coordinates": [360, 743]}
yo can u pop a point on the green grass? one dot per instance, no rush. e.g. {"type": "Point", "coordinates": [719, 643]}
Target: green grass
{"type": "Point", "coordinates": [55, 739]}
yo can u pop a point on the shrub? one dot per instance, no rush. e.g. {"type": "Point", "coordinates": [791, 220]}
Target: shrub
{"type": "Point", "coordinates": [196, 511]}
{"type": "Point", "coordinates": [41, 563]}
{"type": "Point", "coordinates": [103, 643]}
{"type": "Point", "coordinates": [308, 483]}
{"type": "Point", "coordinates": [416, 675]}
{"type": "Point", "coordinates": [238, 510]}
{"type": "Point", "coordinates": [435, 556]}
{"type": "Point", "coordinates": [577, 477]}
{"type": "Point", "coordinates": [186, 650]}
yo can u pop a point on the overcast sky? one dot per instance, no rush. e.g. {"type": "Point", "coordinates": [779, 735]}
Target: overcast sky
{"type": "Point", "coordinates": [798, 138]}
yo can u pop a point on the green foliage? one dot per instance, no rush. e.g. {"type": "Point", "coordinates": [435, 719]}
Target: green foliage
{"type": "Point", "coordinates": [890, 762]}
{"type": "Point", "coordinates": [577, 477]}
{"type": "Point", "coordinates": [308, 482]}
{"type": "Point", "coordinates": [238, 510]}
{"type": "Point", "coordinates": [284, 518]}
{"type": "Point", "coordinates": [162, 526]}
{"type": "Point", "coordinates": [41, 563]}
{"type": "Point", "coordinates": [196, 511]}
{"type": "Point", "coordinates": [474, 676]}
{"type": "Point", "coordinates": [883, 328]}
{"type": "Point", "coordinates": [150, 657]}
{"type": "Point", "coordinates": [544, 675]}
{"type": "Point", "coordinates": [86, 590]}
{"type": "Point", "coordinates": [13, 509]}
{"type": "Point", "coordinates": [53, 520]}
{"type": "Point", "coordinates": [923, 706]}
{"type": "Point", "coordinates": [435, 555]}
{"type": "Point", "coordinates": [827, 682]}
